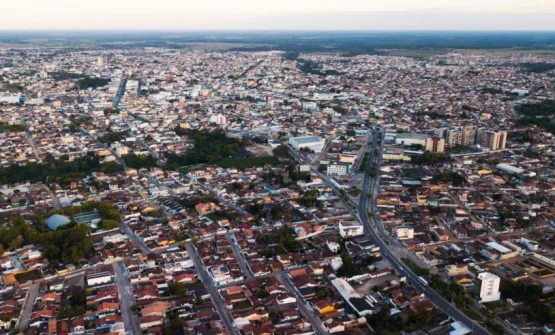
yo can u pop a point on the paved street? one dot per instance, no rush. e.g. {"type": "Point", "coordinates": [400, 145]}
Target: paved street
{"type": "Point", "coordinates": [239, 255]}
{"type": "Point", "coordinates": [129, 232]}
{"type": "Point", "coordinates": [215, 296]}
{"type": "Point", "coordinates": [25, 316]}
{"type": "Point", "coordinates": [127, 299]}
{"type": "Point", "coordinates": [305, 310]}
{"type": "Point", "coordinates": [394, 258]}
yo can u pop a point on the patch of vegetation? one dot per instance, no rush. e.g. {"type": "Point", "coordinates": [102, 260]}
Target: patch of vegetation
{"type": "Point", "coordinates": [92, 82]}
{"type": "Point", "coordinates": [281, 152]}
{"type": "Point", "coordinates": [453, 177]}
{"type": "Point", "coordinates": [538, 114]}
{"type": "Point", "coordinates": [4, 128]}
{"type": "Point", "coordinates": [349, 268]}
{"type": "Point", "coordinates": [432, 158]}
{"type": "Point", "coordinates": [58, 171]}
{"type": "Point", "coordinates": [24, 277]}
{"type": "Point", "coordinates": [140, 161]}
{"type": "Point", "coordinates": [219, 215]}
{"type": "Point", "coordinates": [209, 147]}
{"type": "Point", "coordinates": [283, 239]}
{"type": "Point", "coordinates": [415, 268]}
{"type": "Point", "coordinates": [113, 136]}
{"type": "Point", "coordinates": [190, 203]}
{"type": "Point", "coordinates": [73, 306]}
{"type": "Point", "coordinates": [248, 162]}
{"type": "Point", "coordinates": [537, 67]}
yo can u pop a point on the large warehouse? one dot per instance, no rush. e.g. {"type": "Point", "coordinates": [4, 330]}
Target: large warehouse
{"type": "Point", "coordinates": [309, 142]}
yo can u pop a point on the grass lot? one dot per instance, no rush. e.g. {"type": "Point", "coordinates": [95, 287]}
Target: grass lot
{"type": "Point", "coordinates": [27, 276]}
{"type": "Point", "coordinates": [415, 268]}
{"type": "Point", "coordinates": [472, 314]}
{"type": "Point", "coordinates": [242, 305]}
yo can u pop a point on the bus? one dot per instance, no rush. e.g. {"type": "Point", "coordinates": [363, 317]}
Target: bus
{"type": "Point", "coordinates": [423, 281]}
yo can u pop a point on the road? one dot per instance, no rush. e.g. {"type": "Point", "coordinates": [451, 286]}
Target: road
{"type": "Point", "coordinates": [239, 255]}
{"type": "Point", "coordinates": [305, 310]}
{"type": "Point", "coordinates": [214, 295]}
{"type": "Point", "coordinates": [225, 202]}
{"type": "Point", "coordinates": [121, 91]}
{"type": "Point", "coordinates": [393, 257]}
{"type": "Point", "coordinates": [127, 299]}
{"type": "Point", "coordinates": [25, 316]}
{"type": "Point", "coordinates": [29, 136]}
{"type": "Point", "coordinates": [129, 232]}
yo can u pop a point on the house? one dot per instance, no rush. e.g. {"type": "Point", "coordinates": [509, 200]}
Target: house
{"type": "Point", "coordinates": [208, 208]}
{"type": "Point", "coordinates": [150, 321]}
{"type": "Point", "coordinates": [157, 308]}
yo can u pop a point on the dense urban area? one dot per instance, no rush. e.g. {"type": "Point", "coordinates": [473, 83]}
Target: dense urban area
{"type": "Point", "coordinates": [158, 190]}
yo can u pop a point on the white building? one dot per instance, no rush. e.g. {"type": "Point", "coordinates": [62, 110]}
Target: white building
{"type": "Point", "coordinates": [509, 169]}
{"type": "Point", "coordinates": [531, 245]}
{"type": "Point", "coordinates": [410, 139]}
{"type": "Point", "coordinates": [9, 98]}
{"type": "Point", "coordinates": [308, 142]}
{"type": "Point", "coordinates": [487, 287]}
{"type": "Point", "coordinates": [99, 278]}
{"type": "Point", "coordinates": [116, 238]}
{"type": "Point", "coordinates": [218, 119]}
{"type": "Point", "coordinates": [363, 305]}
{"type": "Point", "coordinates": [350, 229]}
{"type": "Point", "coordinates": [122, 150]}
{"type": "Point", "coordinates": [338, 169]}
{"type": "Point", "coordinates": [404, 233]}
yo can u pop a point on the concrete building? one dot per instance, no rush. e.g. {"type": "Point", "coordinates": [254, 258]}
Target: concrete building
{"type": "Point", "coordinates": [218, 119]}
{"type": "Point", "coordinates": [410, 139]}
{"type": "Point", "coordinates": [453, 270]}
{"type": "Point", "coordinates": [469, 136]}
{"type": "Point", "coordinates": [509, 169]}
{"type": "Point", "coordinates": [494, 140]}
{"type": "Point", "coordinates": [454, 137]}
{"type": "Point", "coordinates": [308, 142]}
{"type": "Point", "coordinates": [338, 169]}
{"type": "Point", "coordinates": [435, 144]}
{"type": "Point", "coordinates": [350, 229]}
{"type": "Point", "coordinates": [360, 304]}
{"type": "Point", "coordinates": [487, 287]}
{"type": "Point", "coordinates": [404, 233]}
{"type": "Point", "coordinates": [99, 278]}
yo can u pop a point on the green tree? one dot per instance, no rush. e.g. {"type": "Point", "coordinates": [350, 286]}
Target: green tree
{"type": "Point", "coordinates": [348, 268]}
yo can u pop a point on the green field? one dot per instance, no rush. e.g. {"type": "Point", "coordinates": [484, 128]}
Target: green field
{"type": "Point", "coordinates": [415, 53]}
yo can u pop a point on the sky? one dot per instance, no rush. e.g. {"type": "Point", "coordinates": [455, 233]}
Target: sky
{"type": "Point", "coordinates": [278, 15]}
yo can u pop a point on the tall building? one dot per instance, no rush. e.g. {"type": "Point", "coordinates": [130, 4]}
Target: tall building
{"type": "Point", "coordinates": [218, 119]}
{"type": "Point", "coordinates": [455, 137]}
{"type": "Point", "coordinates": [100, 61]}
{"type": "Point", "coordinates": [469, 136]}
{"type": "Point", "coordinates": [435, 144]}
{"type": "Point", "coordinates": [487, 287]}
{"type": "Point", "coordinates": [494, 140]}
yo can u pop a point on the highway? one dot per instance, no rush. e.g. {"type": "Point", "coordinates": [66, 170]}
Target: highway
{"type": "Point", "coordinates": [127, 299]}
{"type": "Point", "coordinates": [216, 298]}
{"type": "Point", "coordinates": [393, 257]}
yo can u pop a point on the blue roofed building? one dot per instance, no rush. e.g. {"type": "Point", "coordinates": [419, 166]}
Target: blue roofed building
{"type": "Point", "coordinates": [56, 221]}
